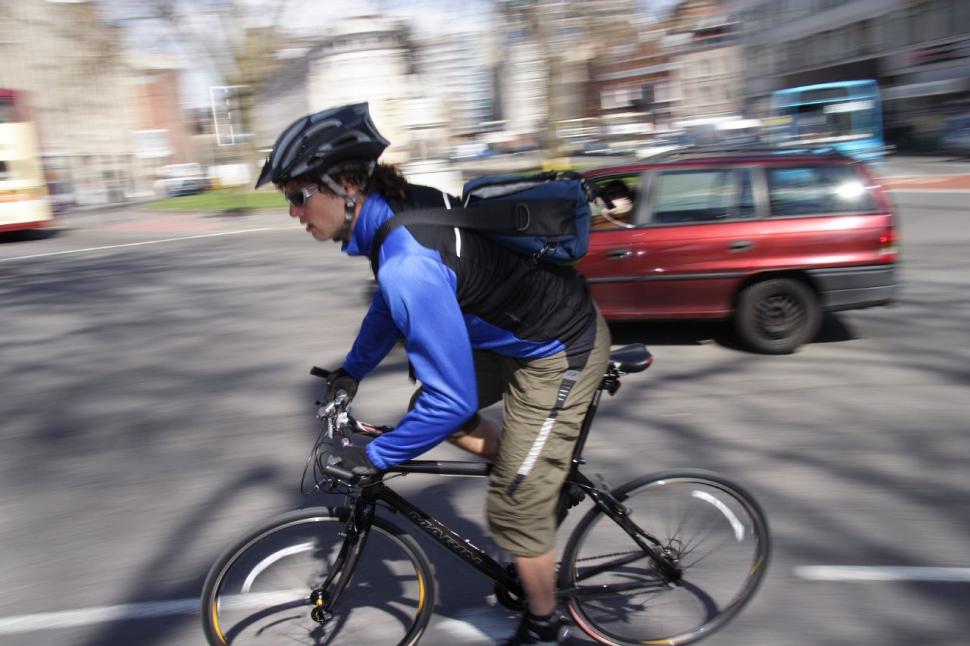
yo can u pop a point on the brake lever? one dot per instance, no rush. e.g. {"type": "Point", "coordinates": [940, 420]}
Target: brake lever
{"type": "Point", "coordinates": [329, 409]}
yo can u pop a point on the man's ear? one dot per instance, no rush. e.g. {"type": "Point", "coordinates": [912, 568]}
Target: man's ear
{"type": "Point", "coordinates": [351, 188]}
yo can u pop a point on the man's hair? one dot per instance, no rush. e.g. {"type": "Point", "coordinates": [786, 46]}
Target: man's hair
{"type": "Point", "coordinates": [384, 179]}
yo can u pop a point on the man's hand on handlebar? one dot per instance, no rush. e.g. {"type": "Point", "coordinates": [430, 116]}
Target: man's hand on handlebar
{"type": "Point", "coordinates": [339, 380]}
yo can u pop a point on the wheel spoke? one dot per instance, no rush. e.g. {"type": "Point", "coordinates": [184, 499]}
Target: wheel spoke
{"type": "Point", "coordinates": [715, 535]}
{"type": "Point", "coordinates": [259, 592]}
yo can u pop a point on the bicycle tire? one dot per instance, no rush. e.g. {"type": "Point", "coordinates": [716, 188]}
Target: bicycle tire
{"type": "Point", "coordinates": [731, 526]}
{"type": "Point", "coordinates": [258, 590]}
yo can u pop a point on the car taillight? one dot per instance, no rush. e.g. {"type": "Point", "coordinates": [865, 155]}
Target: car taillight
{"type": "Point", "coordinates": [887, 244]}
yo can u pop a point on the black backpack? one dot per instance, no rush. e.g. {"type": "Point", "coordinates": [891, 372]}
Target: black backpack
{"type": "Point", "coordinates": [545, 216]}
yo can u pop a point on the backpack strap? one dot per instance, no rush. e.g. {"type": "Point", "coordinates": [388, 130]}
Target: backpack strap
{"type": "Point", "coordinates": [505, 217]}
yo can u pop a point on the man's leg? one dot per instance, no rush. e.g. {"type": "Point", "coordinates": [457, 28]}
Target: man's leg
{"type": "Point", "coordinates": [545, 404]}
{"type": "Point", "coordinates": [538, 577]}
{"type": "Point", "coordinates": [483, 440]}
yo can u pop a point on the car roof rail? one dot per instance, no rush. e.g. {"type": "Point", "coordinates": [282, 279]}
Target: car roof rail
{"type": "Point", "coordinates": [741, 151]}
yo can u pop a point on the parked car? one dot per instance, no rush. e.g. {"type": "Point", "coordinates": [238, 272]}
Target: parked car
{"type": "Point", "coordinates": [61, 196]}
{"type": "Point", "coordinates": [769, 241]}
{"type": "Point", "coordinates": [179, 186]}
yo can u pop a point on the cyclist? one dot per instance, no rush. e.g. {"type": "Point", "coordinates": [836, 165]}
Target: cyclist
{"type": "Point", "coordinates": [480, 324]}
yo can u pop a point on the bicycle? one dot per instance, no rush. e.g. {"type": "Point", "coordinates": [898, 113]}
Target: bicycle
{"type": "Point", "coordinates": [666, 558]}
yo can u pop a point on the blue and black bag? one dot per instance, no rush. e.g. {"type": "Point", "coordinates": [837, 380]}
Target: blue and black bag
{"type": "Point", "coordinates": [545, 216]}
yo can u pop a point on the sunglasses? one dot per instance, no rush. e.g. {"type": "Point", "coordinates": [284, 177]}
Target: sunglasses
{"type": "Point", "coordinates": [299, 197]}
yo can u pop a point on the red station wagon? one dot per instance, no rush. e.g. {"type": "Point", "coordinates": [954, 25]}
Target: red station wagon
{"type": "Point", "coordinates": [767, 240]}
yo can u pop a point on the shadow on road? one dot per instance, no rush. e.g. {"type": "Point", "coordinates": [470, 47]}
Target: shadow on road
{"type": "Point", "coordinates": [833, 330]}
{"type": "Point", "coordinates": [13, 237]}
{"type": "Point", "coordinates": [127, 371]}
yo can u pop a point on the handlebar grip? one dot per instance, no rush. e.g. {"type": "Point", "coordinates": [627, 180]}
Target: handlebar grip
{"type": "Point", "coordinates": [337, 472]}
{"type": "Point", "coordinates": [319, 372]}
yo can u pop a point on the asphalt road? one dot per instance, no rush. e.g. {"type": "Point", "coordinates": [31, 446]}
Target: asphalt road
{"type": "Point", "coordinates": [156, 403]}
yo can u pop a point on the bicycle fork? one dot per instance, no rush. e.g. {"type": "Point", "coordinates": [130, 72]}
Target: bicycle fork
{"type": "Point", "coordinates": [325, 596]}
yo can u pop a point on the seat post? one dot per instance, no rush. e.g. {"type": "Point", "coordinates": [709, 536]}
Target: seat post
{"type": "Point", "coordinates": [577, 457]}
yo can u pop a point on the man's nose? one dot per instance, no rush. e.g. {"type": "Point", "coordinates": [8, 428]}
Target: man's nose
{"type": "Point", "coordinates": [295, 211]}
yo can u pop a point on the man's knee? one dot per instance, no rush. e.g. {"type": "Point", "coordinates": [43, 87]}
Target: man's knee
{"type": "Point", "coordinates": [521, 529]}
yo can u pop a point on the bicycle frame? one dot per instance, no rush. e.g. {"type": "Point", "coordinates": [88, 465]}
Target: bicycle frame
{"type": "Point", "coordinates": [365, 504]}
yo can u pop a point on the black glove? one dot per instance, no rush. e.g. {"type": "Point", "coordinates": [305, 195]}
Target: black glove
{"type": "Point", "coordinates": [354, 459]}
{"type": "Point", "coordinates": [340, 379]}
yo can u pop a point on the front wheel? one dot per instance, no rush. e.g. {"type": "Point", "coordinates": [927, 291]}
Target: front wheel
{"type": "Point", "coordinates": [259, 590]}
{"type": "Point", "coordinates": [712, 531]}
{"type": "Point", "coordinates": [777, 315]}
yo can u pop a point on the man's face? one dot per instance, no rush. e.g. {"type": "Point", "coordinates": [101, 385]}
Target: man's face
{"type": "Point", "coordinates": [322, 212]}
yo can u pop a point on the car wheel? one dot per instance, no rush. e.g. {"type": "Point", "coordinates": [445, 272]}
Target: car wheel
{"type": "Point", "coordinates": [778, 315]}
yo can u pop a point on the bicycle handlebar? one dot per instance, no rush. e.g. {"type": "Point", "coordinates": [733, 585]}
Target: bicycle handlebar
{"type": "Point", "coordinates": [342, 474]}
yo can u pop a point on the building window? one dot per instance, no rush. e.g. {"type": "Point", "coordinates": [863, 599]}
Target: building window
{"type": "Point", "coordinates": [961, 20]}
{"type": "Point", "coordinates": [621, 97]}
{"type": "Point", "coordinates": [939, 19]}
{"type": "Point", "coordinates": [867, 37]}
{"type": "Point", "coordinates": [900, 29]}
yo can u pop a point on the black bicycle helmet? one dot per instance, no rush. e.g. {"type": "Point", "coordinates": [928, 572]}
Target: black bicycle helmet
{"type": "Point", "coordinates": [318, 142]}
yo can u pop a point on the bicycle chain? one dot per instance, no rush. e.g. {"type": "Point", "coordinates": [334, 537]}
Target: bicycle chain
{"type": "Point", "coordinates": [604, 556]}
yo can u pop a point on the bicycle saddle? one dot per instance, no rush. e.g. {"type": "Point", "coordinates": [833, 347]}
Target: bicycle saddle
{"type": "Point", "coordinates": [631, 358]}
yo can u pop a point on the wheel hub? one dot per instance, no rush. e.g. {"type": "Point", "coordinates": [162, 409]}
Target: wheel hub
{"type": "Point", "coordinates": [779, 316]}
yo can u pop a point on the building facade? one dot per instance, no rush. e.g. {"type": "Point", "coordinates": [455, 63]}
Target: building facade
{"type": "Point", "coordinates": [917, 50]}
{"type": "Point", "coordinates": [707, 61]}
{"type": "Point", "coordinates": [72, 67]}
{"type": "Point", "coordinates": [363, 59]}
{"type": "Point", "coordinates": [454, 67]}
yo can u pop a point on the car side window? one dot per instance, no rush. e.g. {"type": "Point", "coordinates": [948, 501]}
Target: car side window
{"type": "Point", "coordinates": [809, 190]}
{"type": "Point", "coordinates": [710, 195]}
{"type": "Point", "coordinates": [615, 203]}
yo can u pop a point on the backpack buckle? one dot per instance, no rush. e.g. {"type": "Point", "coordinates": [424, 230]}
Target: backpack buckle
{"type": "Point", "coordinates": [521, 217]}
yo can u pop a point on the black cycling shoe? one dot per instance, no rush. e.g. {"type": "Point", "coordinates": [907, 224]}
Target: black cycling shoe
{"type": "Point", "coordinates": [554, 630]}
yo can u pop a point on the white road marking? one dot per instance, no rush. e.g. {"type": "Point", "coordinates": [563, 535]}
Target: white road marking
{"type": "Point", "coordinates": [478, 625]}
{"type": "Point", "coordinates": [146, 242]}
{"type": "Point", "coordinates": [928, 190]}
{"type": "Point", "coordinates": [882, 573]}
{"type": "Point", "coordinates": [897, 177]}
{"type": "Point", "coordinates": [87, 616]}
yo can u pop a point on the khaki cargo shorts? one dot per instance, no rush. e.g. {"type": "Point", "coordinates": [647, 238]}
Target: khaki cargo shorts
{"type": "Point", "coordinates": [544, 403]}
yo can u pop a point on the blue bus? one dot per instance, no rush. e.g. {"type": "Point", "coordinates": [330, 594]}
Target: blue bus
{"type": "Point", "coordinates": [845, 116]}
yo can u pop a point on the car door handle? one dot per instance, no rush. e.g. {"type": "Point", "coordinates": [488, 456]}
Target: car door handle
{"type": "Point", "coordinates": [619, 254]}
{"type": "Point", "coordinates": [741, 245]}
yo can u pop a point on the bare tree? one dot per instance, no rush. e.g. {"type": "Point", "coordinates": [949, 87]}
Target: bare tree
{"type": "Point", "coordinates": [233, 40]}
{"type": "Point", "coordinates": [564, 33]}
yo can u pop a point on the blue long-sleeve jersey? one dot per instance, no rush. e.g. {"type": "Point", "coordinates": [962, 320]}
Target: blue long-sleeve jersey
{"type": "Point", "coordinates": [447, 291]}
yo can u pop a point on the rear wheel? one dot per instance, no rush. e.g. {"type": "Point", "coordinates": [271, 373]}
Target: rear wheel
{"type": "Point", "coordinates": [712, 530]}
{"type": "Point", "coordinates": [777, 315]}
{"type": "Point", "coordinates": [259, 591]}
